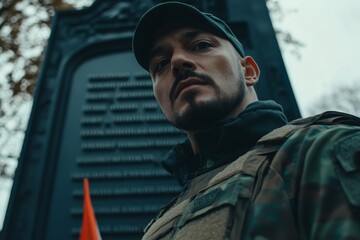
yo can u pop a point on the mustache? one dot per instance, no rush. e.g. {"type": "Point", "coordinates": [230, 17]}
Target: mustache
{"type": "Point", "coordinates": [184, 75]}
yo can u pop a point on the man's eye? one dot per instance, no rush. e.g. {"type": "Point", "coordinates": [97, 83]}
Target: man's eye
{"type": "Point", "coordinates": [201, 46]}
{"type": "Point", "coordinates": [161, 65]}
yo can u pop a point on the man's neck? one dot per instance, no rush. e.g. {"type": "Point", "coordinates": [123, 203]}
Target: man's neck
{"type": "Point", "coordinates": [252, 97]}
{"type": "Point", "coordinates": [224, 141]}
{"type": "Point", "coordinates": [194, 145]}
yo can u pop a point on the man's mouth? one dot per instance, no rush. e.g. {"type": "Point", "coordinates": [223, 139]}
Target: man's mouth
{"type": "Point", "coordinates": [187, 83]}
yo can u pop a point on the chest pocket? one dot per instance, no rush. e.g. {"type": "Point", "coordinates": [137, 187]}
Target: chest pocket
{"type": "Point", "coordinates": [208, 215]}
{"type": "Point", "coordinates": [347, 158]}
{"type": "Point", "coordinates": [162, 226]}
{"type": "Point", "coordinates": [213, 212]}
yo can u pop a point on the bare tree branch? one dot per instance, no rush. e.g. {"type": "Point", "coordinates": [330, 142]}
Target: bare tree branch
{"type": "Point", "coordinates": [344, 98]}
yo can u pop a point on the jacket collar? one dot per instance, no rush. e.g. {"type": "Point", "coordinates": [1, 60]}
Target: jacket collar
{"type": "Point", "coordinates": [225, 141]}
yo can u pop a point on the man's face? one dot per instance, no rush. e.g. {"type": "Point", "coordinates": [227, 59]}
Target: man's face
{"type": "Point", "coordinates": [197, 78]}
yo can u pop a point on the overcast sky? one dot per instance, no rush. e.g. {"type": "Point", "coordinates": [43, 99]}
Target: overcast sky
{"type": "Point", "coordinates": [330, 30]}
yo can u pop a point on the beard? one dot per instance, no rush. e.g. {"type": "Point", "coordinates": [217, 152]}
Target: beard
{"type": "Point", "coordinates": [201, 115]}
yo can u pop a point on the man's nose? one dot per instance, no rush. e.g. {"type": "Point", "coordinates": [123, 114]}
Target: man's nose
{"type": "Point", "coordinates": [181, 61]}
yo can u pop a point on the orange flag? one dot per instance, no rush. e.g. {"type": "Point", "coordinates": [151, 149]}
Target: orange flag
{"type": "Point", "coordinates": [89, 227]}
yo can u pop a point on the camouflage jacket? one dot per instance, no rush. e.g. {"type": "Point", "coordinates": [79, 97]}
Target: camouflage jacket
{"type": "Point", "coordinates": [299, 182]}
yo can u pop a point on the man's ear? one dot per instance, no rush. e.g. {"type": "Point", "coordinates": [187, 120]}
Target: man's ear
{"type": "Point", "coordinates": [251, 70]}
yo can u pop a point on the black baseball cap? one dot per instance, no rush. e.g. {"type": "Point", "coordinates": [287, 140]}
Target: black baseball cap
{"type": "Point", "coordinates": [165, 14]}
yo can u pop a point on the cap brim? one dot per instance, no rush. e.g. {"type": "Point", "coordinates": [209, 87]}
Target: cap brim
{"type": "Point", "coordinates": [155, 19]}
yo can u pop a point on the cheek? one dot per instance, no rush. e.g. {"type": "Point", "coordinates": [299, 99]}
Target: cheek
{"type": "Point", "coordinates": [227, 76]}
{"type": "Point", "coordinates": [223, 66]}
{"type": "Point", "coordinates": [161, 94]}
{"type": "Point", "coordinates": [157, 94]}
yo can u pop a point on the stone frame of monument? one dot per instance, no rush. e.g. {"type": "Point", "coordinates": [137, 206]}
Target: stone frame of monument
{"type": "Point", "coordinates": [94, 115]}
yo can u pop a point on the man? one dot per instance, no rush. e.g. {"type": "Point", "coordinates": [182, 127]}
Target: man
{"type": "Point", "coordinates": [246, 172]}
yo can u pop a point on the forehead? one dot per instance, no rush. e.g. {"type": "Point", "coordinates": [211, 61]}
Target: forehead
{"type": "Point", "coordinates": [180, 34]}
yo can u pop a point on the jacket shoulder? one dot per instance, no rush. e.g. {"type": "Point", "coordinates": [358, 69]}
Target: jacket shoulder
{"type": "Point", "coordinates": [311, 182]}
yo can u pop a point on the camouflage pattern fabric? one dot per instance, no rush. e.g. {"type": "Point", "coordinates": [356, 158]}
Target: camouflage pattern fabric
{"type": "Point", "coordinates": [301, 181]}
{"type": "Point", "coordinates": [311, 189]}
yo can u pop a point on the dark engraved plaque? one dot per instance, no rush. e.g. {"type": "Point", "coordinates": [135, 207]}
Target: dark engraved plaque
{"type": "Point", "coordinates": [115, 135]}
{"type": "Point", "coordinates": [95, 116]}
